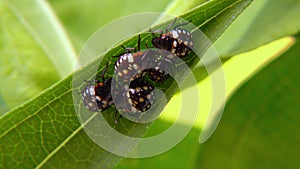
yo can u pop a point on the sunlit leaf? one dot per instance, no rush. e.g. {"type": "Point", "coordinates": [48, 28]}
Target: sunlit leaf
{"type": "Point", "coordinates": [25, 68]}
{"type": "Point", "coordinates": [263, 22]}
{"type": "Point", "coordinates": [40, 22]}
{"type": "Point", "coordinates": [260, 124]}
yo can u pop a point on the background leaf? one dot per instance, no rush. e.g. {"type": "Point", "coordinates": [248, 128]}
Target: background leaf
{"type": "Point", "coordinates": [44, 131]}
{"type": "Point", "coordinates": [23, 62]}
{"type": "Point", "coordinates": [260, 131]}
{"type": "Point", "coordinates": [258, 25]}
{"type": "Point", "coordinates": [36, 16]}
{"type": "Point", "coordinates": [177, 7]}
{"type": "Point", "coordinates": [263, 22]}
{"type": "Point", "coordinates": [82, 18]}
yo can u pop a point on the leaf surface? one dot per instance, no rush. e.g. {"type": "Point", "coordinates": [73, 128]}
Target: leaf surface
{"type": "Point", "coordinates": [23, 62]}
{"type": "Point", "coordinates": [260, 124]}
{"type": "Point", "coordinates": [263, 22]}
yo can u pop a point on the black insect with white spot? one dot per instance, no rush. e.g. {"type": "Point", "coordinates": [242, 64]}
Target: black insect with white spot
{"type": "Point", "coordinates": [158, 75]}
{"type": "Point", "coordinates": [178, 41]}
{"type": "Point", "coordinates": [135, 94]}
{"type": "Point", "coordinates": [135, 100]}
{"type": "Point", "coordinates": [97, 97]}
{"type": "Point", "coordinates": [131, 64]}
{"type": "Point", "coordinates": [163, 61]}
{"type": "Point", "coordinates": [140, 96]}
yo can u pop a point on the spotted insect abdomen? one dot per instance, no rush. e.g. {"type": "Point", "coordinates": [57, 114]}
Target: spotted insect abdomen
{"type": "Point", "coordinates": [140, 97]}
{"type": "Point", "coordinates": [182, 43]}
{"type": "Point", "coordinates": [97, 97]}
{"type": "Point", "coordinates": [177, 41]}
{"type": "Point", "coordinates": [128, 67]}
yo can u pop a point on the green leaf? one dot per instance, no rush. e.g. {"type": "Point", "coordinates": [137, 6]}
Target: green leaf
{"type": "Point", "coordinates": [263, 22]}
{"type": "Point", "coordinates": [260, 124]}
{"type": "Point", "coordinates": [179, 6]}
{"type": "Point", "coordinates": [45, 132]}
{"type": "Point", "coordinates": [37, 17]}
{"type": "Point", "coordinates": [3, 107]}
{"type": "Point", "coordinates": [93, 14]}
{"type": "Point", "coordinates": [25, 68]}
{"type": "Point", "coordinates": [256, 26]}
{"type": "Point", "coordinates": [181, 156]}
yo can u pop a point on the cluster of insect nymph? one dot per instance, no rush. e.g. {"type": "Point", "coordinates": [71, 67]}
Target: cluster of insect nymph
{"type": "Point", "coordinates": [130, 68]}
